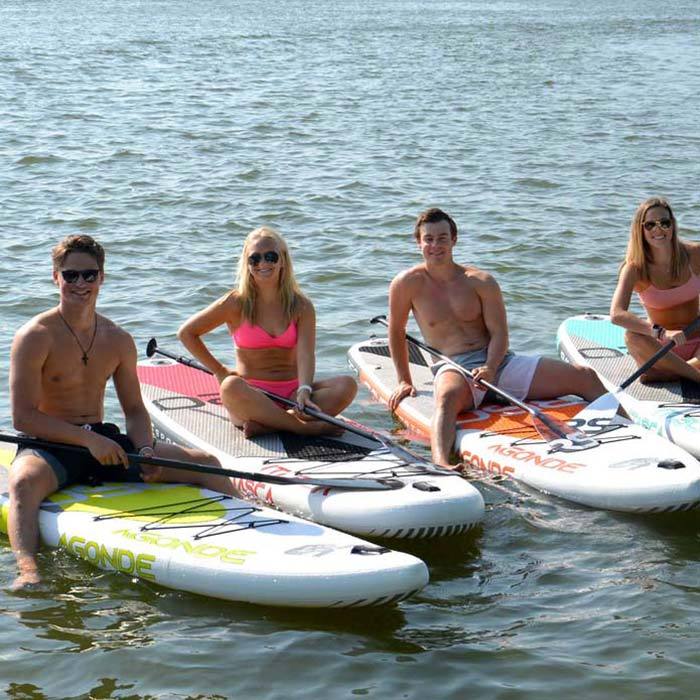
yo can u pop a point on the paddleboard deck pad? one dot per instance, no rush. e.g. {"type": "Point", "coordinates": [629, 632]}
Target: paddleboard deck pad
{"type": "Point", "coordinates": [671, 409]}
{"type": "Point", "coordinates": [185, 409]}
{"type": "Point", "coordinates": [626, 469]}
{"type": "Point", "coordinates": [190, 539]}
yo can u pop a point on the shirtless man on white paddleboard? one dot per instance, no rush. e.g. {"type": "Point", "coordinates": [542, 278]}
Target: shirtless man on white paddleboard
{"type": "Point", "coordinates": [460, 311]}
{"type": "Point", "coordinates": [60, 363]}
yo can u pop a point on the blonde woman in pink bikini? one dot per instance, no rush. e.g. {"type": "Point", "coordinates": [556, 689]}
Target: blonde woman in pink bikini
{"type": "Point", "coordinates": [273, 327]}
{"type": "Point", "coordinates": [665, 273]}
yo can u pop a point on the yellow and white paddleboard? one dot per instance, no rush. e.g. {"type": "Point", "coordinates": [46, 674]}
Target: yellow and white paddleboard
{"type": "Point", "coordinates": [191, 539]}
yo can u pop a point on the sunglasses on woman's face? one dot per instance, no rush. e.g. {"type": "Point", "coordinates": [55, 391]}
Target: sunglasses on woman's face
{"type": "Point", "coordinates": [663, 223]}
{"type": "Point", "coordinates": [71, 276]}
{"type": "Point", "coordinates": [271, 256]}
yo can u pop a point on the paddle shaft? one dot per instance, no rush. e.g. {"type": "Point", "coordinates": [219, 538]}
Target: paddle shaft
{"type": "Point", "coordinates": [555, 426]}
{"type": "Point", "coordinates": [319, 415]}
{"type": "Point", "coordinates": [352, 483]}
{"type": "Point", "coordinates": [463, 370]}
{"type": "Point", "coordinates": [658, 355]}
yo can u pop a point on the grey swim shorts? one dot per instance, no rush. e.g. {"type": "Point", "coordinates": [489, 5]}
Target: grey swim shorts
{"type": "Point", "coordinates": [514, 374]}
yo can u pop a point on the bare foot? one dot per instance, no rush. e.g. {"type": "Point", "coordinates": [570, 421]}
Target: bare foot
{"type": "Point", "coordinates": [28, 576]}
{"type": "Point", "coordinates": [319, 427]}
{"type": "Point", "coordinates": [459, 468]}
{"type": "Point", "coordinates": [151, 473]}
{"type": "Point", "coordinates": [252, 428]}
{"type": "Point", "coordinates": [650, 376]}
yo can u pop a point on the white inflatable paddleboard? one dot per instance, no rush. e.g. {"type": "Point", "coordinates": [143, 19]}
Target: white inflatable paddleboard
{"type": "Point", "coordinates": [671, 409]}
{"type": "Point", "coordinates": [627, 469]}
{"type": "Point", "coordinates": [191, 539]}
{"type": "Point", "coordinates": [185, 409]}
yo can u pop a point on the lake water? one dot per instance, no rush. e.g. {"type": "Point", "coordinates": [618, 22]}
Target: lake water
{"type": "Point", "coordinates": [169, 129]}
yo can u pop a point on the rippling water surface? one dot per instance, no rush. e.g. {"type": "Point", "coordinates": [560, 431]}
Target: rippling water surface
{"type": "Point", "coordinates": [169, 129]}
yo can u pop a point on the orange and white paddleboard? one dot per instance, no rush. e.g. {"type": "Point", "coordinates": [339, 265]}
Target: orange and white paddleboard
{"type": "Point", "coordinates": [626, 468]}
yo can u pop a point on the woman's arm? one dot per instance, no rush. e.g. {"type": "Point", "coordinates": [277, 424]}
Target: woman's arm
{"type": "Point", "coordinates": [223, 310]}
{"type": "Point", "coordinates": [306, 352]}
{"type": "Point", "coordinates": [620, 314]}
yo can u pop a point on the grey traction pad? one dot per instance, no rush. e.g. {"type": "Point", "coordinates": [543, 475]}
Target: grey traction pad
{"type": "Point", "coordinates": [615, 364]}
{"type": "Point", "coordinates": [204, 417]}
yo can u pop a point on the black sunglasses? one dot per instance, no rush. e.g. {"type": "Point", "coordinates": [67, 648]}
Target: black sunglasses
{"type": "Point", "coordinates": [71, 276]}
{"type": "Point", "coordinates": [271, 256]}
{"type": "Point", "coordinates": [664, 223]}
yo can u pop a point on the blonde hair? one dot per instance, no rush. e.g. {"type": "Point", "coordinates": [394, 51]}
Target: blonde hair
{"type": "Point", "coordinates": [289, 291]}
{"type": "Point", "coordinates": [638, 253]}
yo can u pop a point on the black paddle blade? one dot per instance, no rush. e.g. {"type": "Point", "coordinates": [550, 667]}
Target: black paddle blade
{"type": "Point", "coordinates": [151, 347]}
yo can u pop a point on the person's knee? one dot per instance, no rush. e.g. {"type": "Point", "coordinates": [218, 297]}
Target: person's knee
{"type": "Point", "coordinates": [589, 376]}
{"type": "Point", "coordinates": [232, 388]}
{"type": "Point", "coordinates": [26, 485]}
{"type": "Point", "coordinates": [451, 398]}
{"type": "Point", "coordinates": [635, 340]}
{"type": "Point", "coordinates": [589, 384]}
{"type": "Point", "coordinates": [348, 386]}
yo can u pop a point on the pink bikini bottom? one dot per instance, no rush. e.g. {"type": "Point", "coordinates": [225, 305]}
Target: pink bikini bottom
{"type": "Point", "coordinates": [286, 388]}
{"type": "Point", "coordinates": [687, 350]}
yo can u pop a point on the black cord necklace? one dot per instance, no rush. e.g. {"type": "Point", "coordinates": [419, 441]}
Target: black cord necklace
{"type": "Point", "coordinates": [86, 351]}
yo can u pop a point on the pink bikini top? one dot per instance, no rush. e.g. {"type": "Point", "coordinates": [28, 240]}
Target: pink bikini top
{"type": "Point", "coordinates": [654, 298]}
{"type": "Point", "coordinates": [247, 336]}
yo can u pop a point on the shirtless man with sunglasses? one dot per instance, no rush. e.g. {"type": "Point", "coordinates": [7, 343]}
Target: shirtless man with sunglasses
{"type": "Point", "coordinates": [60, 363]}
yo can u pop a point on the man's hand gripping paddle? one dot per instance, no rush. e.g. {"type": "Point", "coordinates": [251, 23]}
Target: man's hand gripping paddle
{"type": "Point", "coordinates": [557, 433]}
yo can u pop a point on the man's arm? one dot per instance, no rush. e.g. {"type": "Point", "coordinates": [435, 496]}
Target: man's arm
{"type": "Point", "coordinates": [126, 383]}
{"type": "Point", "coordinates": [400, 303]}
{"type": "Point", "coordinates": [496, 321]}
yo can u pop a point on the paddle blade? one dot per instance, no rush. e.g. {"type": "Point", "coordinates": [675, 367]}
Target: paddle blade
{"type": "Point", "coordinates": [605, 406]}
{"type": "Point", "coordinates": [550, 429]}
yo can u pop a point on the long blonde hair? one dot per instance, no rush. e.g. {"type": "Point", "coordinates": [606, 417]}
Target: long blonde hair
{"type": "Point", "coordinates": [638, 252]}
{"type": "Point", "coordinates": [289, 291]}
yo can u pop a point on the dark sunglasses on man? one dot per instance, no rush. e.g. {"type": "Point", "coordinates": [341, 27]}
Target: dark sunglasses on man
{"type": "Point", "coordinates": [71, 276]}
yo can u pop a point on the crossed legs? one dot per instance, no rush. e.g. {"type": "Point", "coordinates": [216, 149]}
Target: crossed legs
{"type": "Point", "coordinates": [668, 368]}
{"type": "Point", "coordinates": [256, 413]}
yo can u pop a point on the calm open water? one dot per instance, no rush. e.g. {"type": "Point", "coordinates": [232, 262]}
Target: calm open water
{"type": "Point", "coordinates": [168, 129]}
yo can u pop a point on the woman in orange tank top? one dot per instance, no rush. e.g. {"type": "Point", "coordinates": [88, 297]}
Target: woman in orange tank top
{"type": "Point", "coordinates": [273, 327]}
{"type": "Point", "coordinates": [664, 271]}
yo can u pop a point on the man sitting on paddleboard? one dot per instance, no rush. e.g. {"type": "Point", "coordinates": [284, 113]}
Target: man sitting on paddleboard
{"type": "Point", "coordinates": [59, 367]}
{"type": "Point", "coordinates": [461, 313]}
